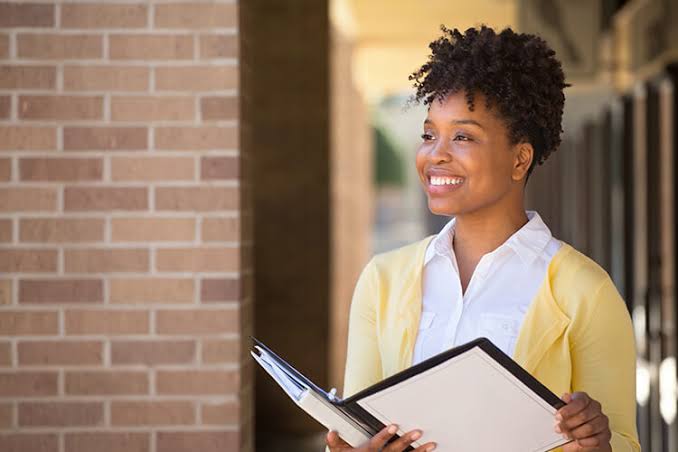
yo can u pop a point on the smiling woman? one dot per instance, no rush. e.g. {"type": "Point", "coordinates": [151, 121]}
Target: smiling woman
{"type": "Point", "coordinates": [495, 104]}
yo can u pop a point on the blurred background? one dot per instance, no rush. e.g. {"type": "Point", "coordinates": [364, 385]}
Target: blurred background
{"type": "Point", "coordinates": [176, 176]}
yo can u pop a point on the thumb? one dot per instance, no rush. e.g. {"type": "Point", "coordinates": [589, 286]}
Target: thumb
{"type": "Point", "coordinates": [567, 397]}
{"type": "Point", "coordinates": [333, 440]}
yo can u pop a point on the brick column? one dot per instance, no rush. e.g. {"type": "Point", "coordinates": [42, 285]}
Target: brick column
{"type": "Point", "coordinates": [122, 303]}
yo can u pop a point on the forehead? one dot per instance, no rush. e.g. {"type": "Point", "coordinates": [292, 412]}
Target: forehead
{"type": "Point", "coordinates": [455, 107]}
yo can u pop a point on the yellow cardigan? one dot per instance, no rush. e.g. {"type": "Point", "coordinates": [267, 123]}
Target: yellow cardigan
{"type": "Point", "coordinates": [576, 336]}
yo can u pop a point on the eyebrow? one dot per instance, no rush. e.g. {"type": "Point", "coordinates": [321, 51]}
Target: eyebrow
{"type": "Point", "coordinates": [460, 121]}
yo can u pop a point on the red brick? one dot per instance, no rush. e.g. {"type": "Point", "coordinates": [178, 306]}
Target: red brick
{"type": "Point", "coordinates": [149, 108]}
{"type": "Point", "coordinates": [4, 46]}
{"type": "Point", "coordinates": [5, 231]}
{"type": "Point", "coordinates": [221, 229]}
{"type": "Point", "coordinates": [102, 322]}
{"type": "Point", "coordinates": [202, 321]}
{"type": "Point", "coordinates": [151, 290]}
{"type": "Point", "coordinates": [218, 46]}
{"type": "Point", "coordinates": [106, 383]}
{"type": "Point", "coordinates": [67, 353]}
{"type": "Point", "coordinates": [152, 168]}
{"type": "Point", "coordinates": [220, 413]}
{"type": "Point", "coordinates": [5, 361]}
{"type": "Point", "coordinates": [5, 107]}
{"type": "Point", "coordinates": [5, 291]}
{"type": "Point", "coordinates": [61, 291]}
{"type": "Point", "coordinates": [27, 199]}
{"type": "Point", "coordinates": [34, 323]}
{"type": "Point", "coordinates": [105, 138]}
{"type": "Point", "coordinates": [151, 47]}
{"type": "Point", "coordinates": [94, 15]}
{"type": "Point", "coordinates": [26, 15]}
{"type": "Point", "coordinates": [61, 230]}
{"type": "Point", "coordinates": [29, 442]}
{"type": "Point", "coordinates": [196, 199]}
{"type": "Point", "coordinates": [106, 78]}
{"type": "Point", "coordinates": [22, 138]}
{"type": "Point", "coordinates": [196, 15]}
{"type": "Point", "coordinates": [106, 260]}
{"type": "Point", "coordinates": [27, 77]}
{"type": "Point", "coordinates": [28, 384]}
{"type": "Point", "coordinates": [217, 351]}
{"type": "Point", "coordinates": [105, 198]}
{"type": "Point", "coordinates": [198, 259]}
{"type": "Point", "coordinates": [60, 169]}
{"type": "Point", "coordinates": [60, 414]}
{"type": "Point", "coordinates": [5, 169]}
{"type": "Point", "coordinates": [136, 413]}
{"type": "Point", "coordinates": [51, 46]}
{"type": "Point", "coordinates": [219, 108]}
{"type": "Point", "coordinates": [107, 442]}
{"type": "Point", "coordinates": [220, 290]}
{"type": "Point", "coordinates": [27, 260]}
{"type": "Point", "coordinates": [152, 353]}
{"type": "Point", "coordinates": [197, 382]}
{"type": "Point", "coordinates": [212, 168]}
{"type": "Point", "coordinates": [196, 78]}
{"type": "Point", "coordinates": [196, 138]}
{"type": "Point", "coordinates": [63, 108]}
{"type": "Point", "coordinates": [152, 229]}
{"type": "Point", "coordinates": [210, 441]}
{"type": "Point", "coordinates": [6, 418]}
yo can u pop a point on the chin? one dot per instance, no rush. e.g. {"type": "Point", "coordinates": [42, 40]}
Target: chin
{"type": "Point", "coordinates": [438, 207]}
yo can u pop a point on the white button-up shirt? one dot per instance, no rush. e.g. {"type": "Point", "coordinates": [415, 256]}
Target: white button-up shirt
{"type": "Point", "coordinates": [498, 295]}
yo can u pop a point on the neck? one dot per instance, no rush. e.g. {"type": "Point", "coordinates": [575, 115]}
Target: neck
{"type": "Point", "coordinates": [480, 233]}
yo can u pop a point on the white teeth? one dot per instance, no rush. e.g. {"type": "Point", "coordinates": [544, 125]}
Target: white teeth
{"type": "Point", "coordinates": [435, 180]}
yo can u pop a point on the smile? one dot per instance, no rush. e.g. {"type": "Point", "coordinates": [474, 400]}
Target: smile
{"type": "Point", "coordinates": [438, 181]}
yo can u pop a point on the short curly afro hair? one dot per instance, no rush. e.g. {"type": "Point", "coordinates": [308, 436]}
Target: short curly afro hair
{"type": "Point", "coordinates": [516, 72]}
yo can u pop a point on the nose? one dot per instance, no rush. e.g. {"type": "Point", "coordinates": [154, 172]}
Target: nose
{"type": "Point", "coordinates": [440, 153]}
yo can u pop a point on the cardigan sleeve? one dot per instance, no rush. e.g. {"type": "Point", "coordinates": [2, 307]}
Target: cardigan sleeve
{"type": "Point", "coordinates": [604, 364]}
{"type": "Point", "coordinates": [363, 361]}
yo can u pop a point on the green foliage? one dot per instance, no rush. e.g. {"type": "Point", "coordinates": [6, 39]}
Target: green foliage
{"type": "Point", "coordinates": [388, 164]}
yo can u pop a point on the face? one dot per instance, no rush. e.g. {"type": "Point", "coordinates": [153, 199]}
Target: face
{"type": "Point", "coordinates": [466, 162]}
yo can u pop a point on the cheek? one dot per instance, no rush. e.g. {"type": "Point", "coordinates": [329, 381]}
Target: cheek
{"type": "Point", "coordinates": [489, 173]}
{"type": "Point", "coordinates": [420, 159]}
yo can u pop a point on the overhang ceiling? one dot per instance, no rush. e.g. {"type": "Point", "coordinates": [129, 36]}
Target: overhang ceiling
{"type": "Point", "coordinates": [391, 36]}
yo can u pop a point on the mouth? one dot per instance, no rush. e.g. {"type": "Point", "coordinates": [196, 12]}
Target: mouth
{"type": "Point", "coordinates": [443, 184]}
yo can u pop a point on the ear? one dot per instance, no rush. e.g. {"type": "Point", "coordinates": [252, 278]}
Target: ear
{"type": "Point", "coordinates": [524, 153]}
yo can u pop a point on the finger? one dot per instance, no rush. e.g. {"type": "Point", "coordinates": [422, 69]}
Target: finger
{"type": "Point", "coordinates": [378, 440]}
{"type": "Point", "coordinates": [578, 402]}
{"type": "Point", "coordinates": [428, 447]}
{"type": "Point", "coordinates": [401, 443]}
{"type": "Point", "coordinates": [592, 411]}
{"type": "Point", "coordinates": [594, 427]}
{"type": "Point", "coordinates": [595, 442]}
{"type": "Point", "coordinates": [334, 442]}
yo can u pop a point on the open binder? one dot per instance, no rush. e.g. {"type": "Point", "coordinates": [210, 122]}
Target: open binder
{"type": "Point", "coordinates": [471, 397]}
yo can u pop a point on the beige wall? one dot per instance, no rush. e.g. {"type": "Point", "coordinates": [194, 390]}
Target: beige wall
{"type": "Point", "coordinates": [352, 194]}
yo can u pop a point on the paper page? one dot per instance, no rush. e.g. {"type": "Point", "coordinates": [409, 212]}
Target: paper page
{"type": "Point", "coordinates": [291, 387]}
{"type": "Point", "coordinates": [469, 403]}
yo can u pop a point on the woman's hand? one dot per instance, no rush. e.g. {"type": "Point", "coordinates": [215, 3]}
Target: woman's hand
{"type": "Point", "coordinates": [378, 442]}
{"type": "Point", "coordinates": [583, 421]}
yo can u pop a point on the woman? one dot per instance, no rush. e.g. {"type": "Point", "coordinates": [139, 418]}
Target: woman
{"type": "Point", "coordinates": [495, 104]}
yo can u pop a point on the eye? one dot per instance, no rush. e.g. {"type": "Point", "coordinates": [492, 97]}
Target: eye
{"type": "Point", "coordinates": [460, 137]}
{"type": "Point", "coordinates": [426, 137]}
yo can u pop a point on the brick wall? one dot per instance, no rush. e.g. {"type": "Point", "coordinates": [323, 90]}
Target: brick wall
{"type": "Point", "coordinates": [122, 298]}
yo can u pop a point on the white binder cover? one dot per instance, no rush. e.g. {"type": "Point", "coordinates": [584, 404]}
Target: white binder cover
{"type": "Point", "coordinates": [469, 398]}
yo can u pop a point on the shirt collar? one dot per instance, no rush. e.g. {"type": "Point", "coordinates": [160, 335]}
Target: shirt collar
{"type": "Point", "coordinates": [527, 242]}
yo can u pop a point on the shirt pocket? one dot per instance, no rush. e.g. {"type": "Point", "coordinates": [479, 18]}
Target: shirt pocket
{"type": "Point", "coordinates": [501, 329]}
